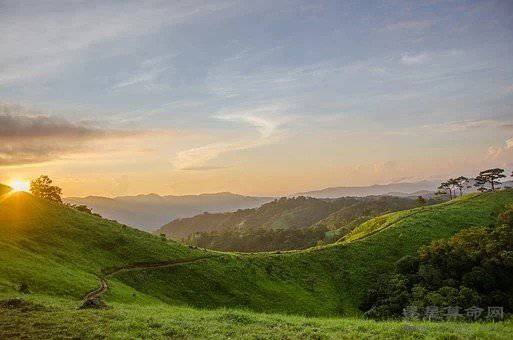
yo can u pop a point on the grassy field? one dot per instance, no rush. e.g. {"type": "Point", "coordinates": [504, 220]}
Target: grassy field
{"type": "Point", "coordinates": [44, 317]}
{"type": "Point", "coordinates": [60, 253]}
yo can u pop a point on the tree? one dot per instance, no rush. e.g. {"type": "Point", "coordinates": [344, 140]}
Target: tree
{"type": "Point", "coordinates": [420, 200]}
{"type": "Point", "coordinates": [444, 188]}
{"type": "Point", "coordinates": [461, 183]}
{"type": "Point", "coordinates": [42, 187]}
{"type": "Point", "coordinates": [449, 187]}
{"type": "Point", "coordinates": [490, 176]}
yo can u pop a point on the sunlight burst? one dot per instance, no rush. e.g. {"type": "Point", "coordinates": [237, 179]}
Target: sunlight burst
{"type": "Point", "coordinates": [19, 185]}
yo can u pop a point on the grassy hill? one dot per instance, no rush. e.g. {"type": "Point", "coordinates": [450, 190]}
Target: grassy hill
{"type": "Point", "coordinates": [60, 253]}
{"type": "Point", "coordinates": [337, 215]}
{"type": "Point", "coordinates": [41, 242]}
{"type": "Point", "coordinates": [283, 213]}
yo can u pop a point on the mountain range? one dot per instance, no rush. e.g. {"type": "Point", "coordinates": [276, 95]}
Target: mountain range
{"type": "Point", "coordinates": [392, 189]}
{"type": "Point", "coordinates": [148, 212]}
{"type": "Point", "coordinates": [151, 211]}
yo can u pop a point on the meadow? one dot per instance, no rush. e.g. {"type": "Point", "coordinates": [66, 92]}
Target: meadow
{"type": "Point", "coordinates": [60, 254]}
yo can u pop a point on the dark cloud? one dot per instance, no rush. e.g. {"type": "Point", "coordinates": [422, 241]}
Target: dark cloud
{"type": "Point", "coordinates": [23, 127]}
{"type": "Point", "coordinates": [27, 138]}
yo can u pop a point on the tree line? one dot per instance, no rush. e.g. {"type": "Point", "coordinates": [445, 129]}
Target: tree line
{"type": "Point", "coordinates": [486, 180]}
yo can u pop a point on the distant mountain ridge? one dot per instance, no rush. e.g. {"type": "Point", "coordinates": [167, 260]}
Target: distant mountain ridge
{"type": "Point", "coordinates": [393, 189]}
{"type": "Point", "coordinates": [150, 211]}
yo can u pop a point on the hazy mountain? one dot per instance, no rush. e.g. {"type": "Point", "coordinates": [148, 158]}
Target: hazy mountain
{"type": "Point", "coordinates": [396, 189]}
{"type": "Point", "coordinates": [148, 212]}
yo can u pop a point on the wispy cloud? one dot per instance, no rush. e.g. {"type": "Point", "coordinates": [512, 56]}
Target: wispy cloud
{"type": "Point", "coordinates": [503, 151]}
{"type": "Point", "coordinates": [465, 125]}
{"type": "Point", "coordinates": [414, 59]}
{"type": "Point", "coordinates": [268, 122]}
{"type": "Point", "coordinates": [37, 40]}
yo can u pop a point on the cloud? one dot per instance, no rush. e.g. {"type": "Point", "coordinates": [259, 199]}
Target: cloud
{"type": "Point", "coordinates": [466, 125]}
{"type": "Point", "coordinates": [27, 137]}
{"type": "Point", "coordinates": [147, 75]}
{"type": "Point", "coordinates": [38, 39]}
{"type": "Point", "coordinates": [267, 121]}
{"type": "Point", "coordinates": [29, 127]}
{"type": "Point", "coordinates": [414, 59]}
{"type": "Point", "coordinates": [503, 151]}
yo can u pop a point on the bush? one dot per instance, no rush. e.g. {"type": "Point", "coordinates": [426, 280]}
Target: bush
{"type": "Point", "coordinates": [472, 268]}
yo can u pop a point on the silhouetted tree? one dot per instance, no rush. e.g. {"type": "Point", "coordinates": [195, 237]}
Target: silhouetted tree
{"type": "Point", "coordinates": [42, 187]}
{"type": "Point", "coordinates": [490, 176]}
{"type": "Point", "coordinates": [444, 189]}
{"type": "Point", "coordinates": [449, 187]}
{"type": "Point", "coordinates": [461, 183]}
{"type": "Point", "coordinates": [82, 208]}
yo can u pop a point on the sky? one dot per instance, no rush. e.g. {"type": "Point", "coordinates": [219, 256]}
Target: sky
{"type": "Point", "coordinates": [254, 97]}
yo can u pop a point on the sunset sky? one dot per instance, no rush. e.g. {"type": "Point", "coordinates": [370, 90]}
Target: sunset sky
{"type": "Point", "coordinates": [253, 97]}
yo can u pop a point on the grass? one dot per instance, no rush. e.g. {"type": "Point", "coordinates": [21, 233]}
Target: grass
{"type": "Point", "coordinates": [325, 281]}
{"type": "Point", "coordinates": [42, 242]}
{"type": "Point", "coordinates": [44, 317]}
{"type": "Point", "coordinates": [60, 253]}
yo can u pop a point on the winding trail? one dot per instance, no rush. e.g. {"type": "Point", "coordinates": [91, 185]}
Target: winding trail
{"type": "Point", "coordinates": [104, 285]}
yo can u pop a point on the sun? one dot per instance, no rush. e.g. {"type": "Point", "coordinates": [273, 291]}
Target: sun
{"type": "Point", "coordinates": [19, 185]}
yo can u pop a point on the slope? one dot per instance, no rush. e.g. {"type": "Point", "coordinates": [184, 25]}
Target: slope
{"type": "Point", "coordinates": [289, 213]}
{"type": "Point", "coordinates": [61, 252]}
{"type": "Point", "coordinates": [42, 242]}
{"type": "Point", "coordinates": [320, 281]}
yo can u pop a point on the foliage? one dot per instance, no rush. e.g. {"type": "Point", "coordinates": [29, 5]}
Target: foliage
{"type": "Point", "coordinates": [292, 221]}
{"type": "Point", "coordinates": [474, 267]}
{"type": "Point", "coordinates": [420, 200]}
{"type": "Point", "coordinates": [252, 240]}
{"type": "Point", "coordinates": [83, 208]}
{"type": "Point", "coordinates": [490, 176]}
{"type": "Point", "coordinates": [42, 187]}
{"type": "Point", "coordinates": [452, 184]}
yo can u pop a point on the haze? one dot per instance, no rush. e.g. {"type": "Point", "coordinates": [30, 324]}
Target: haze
{"type": "Point", "coordinates": [254, 97]}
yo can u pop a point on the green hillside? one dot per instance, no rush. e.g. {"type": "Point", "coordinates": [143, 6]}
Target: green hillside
{"type": "Point", "coordinates": [60, 253]}
{"type": "Point", "coordinates": [41, 242]}
{"type": "Point", "coordinates": [283, 213]}
{"type": "Point", "coordinates": [284, 224]}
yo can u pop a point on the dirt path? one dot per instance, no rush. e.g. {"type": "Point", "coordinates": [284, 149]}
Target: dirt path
{"type": "Point", "coordinates": [94, 295]}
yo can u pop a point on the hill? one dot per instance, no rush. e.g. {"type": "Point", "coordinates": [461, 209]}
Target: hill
{"type": "Point", "coordinates": [285, 224]}
{"type": "Point", "coordinates": [148, 212]}
{"type": "Point", "coordinates": [60, 253]}
{"type": "Point", "coordinates": [286, 213]}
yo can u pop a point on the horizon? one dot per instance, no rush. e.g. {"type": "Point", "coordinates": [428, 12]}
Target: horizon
{"type": "Point", "coordinates": [270, 196]}
{"type": "Point", "coordinates": [259, 99]}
